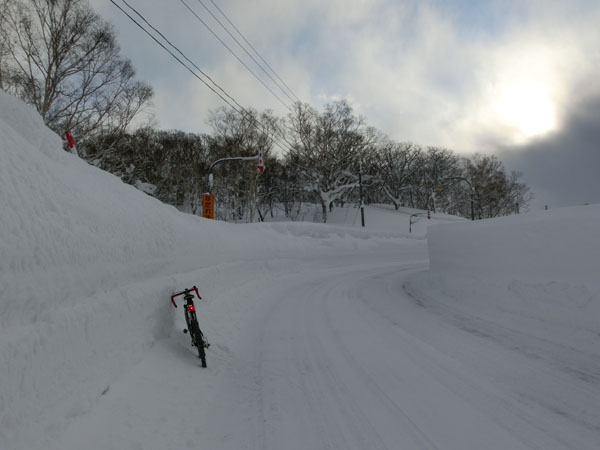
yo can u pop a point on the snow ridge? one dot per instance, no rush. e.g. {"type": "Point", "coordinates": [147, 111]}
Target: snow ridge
{"type": "Point", "coordinates": [87, 264]}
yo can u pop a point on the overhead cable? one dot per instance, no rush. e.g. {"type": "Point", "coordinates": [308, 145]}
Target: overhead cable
{"type": "Point", "coordinates": [234, 54]}
{"type": "Point", "coordinates": [243, 111]}
{"type": "Point", "coordinates": [254, 50]}
{"type": "Point", "coordinates": [246, 51]}
{"type": "Point", "coordinates": [181, 53]}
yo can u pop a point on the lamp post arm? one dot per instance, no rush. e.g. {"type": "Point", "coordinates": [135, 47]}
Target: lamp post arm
{"type": "Point", "coordinates": [219, 161]}
{"type": "Point", "coordinates": [235, 158]}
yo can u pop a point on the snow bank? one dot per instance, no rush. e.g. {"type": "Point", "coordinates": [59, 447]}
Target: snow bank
{"type": "Point", "coordinates": [70, 235]}
{"type": "Point", "coordinates": [534, 276]}
{"type": "Point", "coordinates": [87, 264]}
{"type": "Point", "coordinates": [380, 219]}
{"type": "Point", "coordinates": [560, 245]}
{"type": "Point", "coordinates": [69, 230]}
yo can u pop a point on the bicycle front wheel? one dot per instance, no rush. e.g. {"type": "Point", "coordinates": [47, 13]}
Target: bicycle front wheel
{"type": "Point", "coordinates": [201, 352]}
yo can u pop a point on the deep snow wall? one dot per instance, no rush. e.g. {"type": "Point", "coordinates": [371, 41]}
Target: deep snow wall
{"type": "Point", "coordinates": [70, 237]}
{"type": "Point", "coordinates": [534, 274]}
{"type": "Point", "coordinates": [557, 245]}
{"type": "Point", "coordinates": [65, 220]}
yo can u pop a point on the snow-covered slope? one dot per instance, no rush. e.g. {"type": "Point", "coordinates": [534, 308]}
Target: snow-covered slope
{"type": "Point", "coordinates": [529, 269]}
{"type": "Point", "coordinates": [529, 283]}
{"type": "Point", "coordinates": [86, 265]}
{"type": "Point", "coordinates": [560, 245]}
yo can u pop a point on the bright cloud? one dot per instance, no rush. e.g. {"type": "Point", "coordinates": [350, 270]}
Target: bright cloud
{"type": "Point", "coordinates": [462, 76]}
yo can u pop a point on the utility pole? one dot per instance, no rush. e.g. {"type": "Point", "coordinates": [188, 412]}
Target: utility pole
{"type": "Point", "coordinates": [362, 205]}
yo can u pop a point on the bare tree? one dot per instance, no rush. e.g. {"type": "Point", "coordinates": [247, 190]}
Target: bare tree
{"type": "Point", "coordinates": [327, 149]}
{"type": "Point", "coordinates": [496, 193]}
{"type": "Point", "coordinates": [62, 58]}
{"type": "Point", "coordinates": [396, 164]}
{"type": "Point", "coordinates": [3, 45]}
{"type": "Point", "coordinates": [433, 166]}
{"type": "Point", "coordinates": [244, 132]}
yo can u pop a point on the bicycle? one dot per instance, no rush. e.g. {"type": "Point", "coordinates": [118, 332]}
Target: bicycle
{"type": "Point", "coordinates": [198, 339]}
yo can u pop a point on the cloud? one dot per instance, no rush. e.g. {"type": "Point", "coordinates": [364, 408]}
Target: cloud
{"type": "Point", "coordinates": [447, 73]}
{"type": "Point", "coordinates": [562, 168]}
{"type": "Point", "coordinates": [436, 83]}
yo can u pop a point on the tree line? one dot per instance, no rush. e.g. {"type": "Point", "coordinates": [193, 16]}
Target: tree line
{"type": "Point", "coordinates": [326, 151]}
{"type": "Point", "coordinates": [62, 58]}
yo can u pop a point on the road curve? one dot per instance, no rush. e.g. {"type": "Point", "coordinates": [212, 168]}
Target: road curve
{"type": "Point", "coordinates": [330, 353]}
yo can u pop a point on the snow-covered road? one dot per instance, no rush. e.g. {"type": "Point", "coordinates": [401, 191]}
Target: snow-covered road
{"type": "Point", "coordinates": [332, 353]}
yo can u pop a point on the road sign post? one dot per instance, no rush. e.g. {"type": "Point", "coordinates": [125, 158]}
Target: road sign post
{"type": "Point", "coordinates": [208, 206]}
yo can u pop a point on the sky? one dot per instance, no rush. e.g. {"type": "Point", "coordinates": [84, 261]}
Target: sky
{"type": "Point", "coordinates": [515, 78]}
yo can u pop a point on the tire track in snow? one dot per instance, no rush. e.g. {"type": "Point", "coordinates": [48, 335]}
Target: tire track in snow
{"type": "Point", "coordinates": [417, 435]}
{"type": "Point", "coordinates": [524, 391]}
{"type": "Point", "coordinates": [331, 382]}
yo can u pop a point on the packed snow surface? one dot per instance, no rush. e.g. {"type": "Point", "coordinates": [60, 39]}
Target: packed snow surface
{"type": "Point", "coordinates": [486, 335]}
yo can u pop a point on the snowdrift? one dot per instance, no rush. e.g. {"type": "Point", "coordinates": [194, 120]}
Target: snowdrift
{"type": "Point", "coordinates": [535, 275]}
{"type": "Point", "coordinates": [87, 264]}
{"type": "Point", "coordinates": [560, 245]}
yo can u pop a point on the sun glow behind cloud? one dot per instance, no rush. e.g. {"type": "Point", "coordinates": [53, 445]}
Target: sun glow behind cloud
{"type": "Point", "coordinates": [469, 90]}
{"type": "Point", "coordinates": [527, 107]}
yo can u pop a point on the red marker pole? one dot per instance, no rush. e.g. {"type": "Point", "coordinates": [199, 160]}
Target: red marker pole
{"type": "Point", "coordinates": [71, 142]}
{"type": "Point", "coordinates": [261, 164]}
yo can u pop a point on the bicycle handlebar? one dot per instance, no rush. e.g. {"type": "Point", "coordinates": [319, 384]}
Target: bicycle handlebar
{"type": "Point", "coordinates": [185, 291]}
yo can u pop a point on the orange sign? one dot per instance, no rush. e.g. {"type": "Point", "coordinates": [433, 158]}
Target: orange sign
{"type": "Point", "coordinates": [208, 206]}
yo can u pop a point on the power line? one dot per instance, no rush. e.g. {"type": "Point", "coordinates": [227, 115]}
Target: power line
{"type": "Point", "coordinates": [181, 53]}
{"type": "Point", "coordinates": [253, 49]}
{"type": "Point", "coordinates": [234, 54]}
{"type": "Point", "coordinates": [165, 48]}
{"type": "Point", "coordinates": [245, 112]}
{"type": "Point", "coordinates": [245, 50]}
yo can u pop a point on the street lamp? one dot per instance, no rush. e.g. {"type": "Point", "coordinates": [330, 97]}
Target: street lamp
{"type": "Point", "coordinates": [208, 199]}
